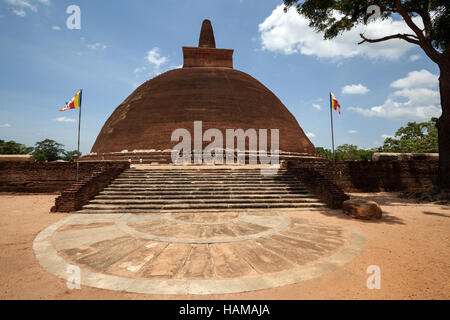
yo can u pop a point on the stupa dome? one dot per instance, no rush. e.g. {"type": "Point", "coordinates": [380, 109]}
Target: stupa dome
{"type": "Point", "coordinates": [206, 89]}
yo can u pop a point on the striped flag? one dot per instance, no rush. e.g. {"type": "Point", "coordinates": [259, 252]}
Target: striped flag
{"type": "Point", "coordinates": [74, 103]}
{"type": "Point", "coordinates": [334, 103]}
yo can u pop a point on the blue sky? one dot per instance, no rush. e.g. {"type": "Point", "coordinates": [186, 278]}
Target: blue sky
{"type": "Point", "coordinates": [122, 43]}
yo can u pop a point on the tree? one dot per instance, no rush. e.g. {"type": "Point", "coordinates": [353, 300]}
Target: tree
{"type": "Point", "coordinates": [433, 39]}
{"type": "Point", "coordinates": [325, 153]}
{"type": "Point", "coordinates": [414, 138]}
{"type": "Point", "coordinates": [70, 155]}
{"type": "Point", "coordinates": [346, 152]}
{"type": "Point", "coordinates": [12, 147]}
{"type": "Point", "coordinates": [48, 150]}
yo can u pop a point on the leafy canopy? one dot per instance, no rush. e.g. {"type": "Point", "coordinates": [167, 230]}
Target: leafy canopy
{"type": "Point", "coordinates": [332, 17]}
{"type": "Point", "coordinates": [414, 138]}
{"type": "Point", "coordinates": [346, 152]}
{"type": "Point", "coordinates": [12, 147]}
{"type": "Point", "coordinates": [48, 150]}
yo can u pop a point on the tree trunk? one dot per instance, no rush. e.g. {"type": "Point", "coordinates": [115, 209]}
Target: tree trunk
{"type": "Point", "coordinates": [444, 127]}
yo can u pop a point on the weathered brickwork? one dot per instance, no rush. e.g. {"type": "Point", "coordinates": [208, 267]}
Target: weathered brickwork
{"type": "Point", "coordinates": [40, 177]}
{"type": "Point", "coordinates": [73, 198]}
{"type": "Point", "coordinates": [387, 175]}
{"type": "Point", "coordinates": [317, 175]}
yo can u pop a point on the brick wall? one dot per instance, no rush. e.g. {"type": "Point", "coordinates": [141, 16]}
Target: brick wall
{"type": "Point", "coordinates": [405, 175]}
{"type": "Point", "coordinates": [354, 176]}
{"type": "Point", "coordinates": [79, 194]}
{"type": "Point", "coordinates": [41, 177]}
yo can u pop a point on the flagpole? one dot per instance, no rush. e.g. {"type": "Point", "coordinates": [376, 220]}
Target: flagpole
{"type": "Point", "coordinates": [79, 129]}
{"type": "Point", "coordinates": [332, 130]}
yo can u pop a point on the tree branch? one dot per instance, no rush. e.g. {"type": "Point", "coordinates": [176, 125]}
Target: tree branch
{"type": "Point", "coordinates": [424, 43]}
{"type": "Point", "coordinates": [406, 37]}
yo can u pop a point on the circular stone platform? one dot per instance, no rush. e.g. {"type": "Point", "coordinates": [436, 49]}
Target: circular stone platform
{"type": "Point", "coordinates": [194, 253]}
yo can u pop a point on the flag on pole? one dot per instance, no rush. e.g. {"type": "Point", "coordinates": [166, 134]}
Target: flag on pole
{"type": "Point", "coordinates": [334, 103]}
{"type": "Point", "coordinates": [74, 103]}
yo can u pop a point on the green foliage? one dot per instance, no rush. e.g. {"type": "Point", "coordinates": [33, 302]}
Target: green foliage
{"type": "Point", "coordinates": [12, 147]}
{"type": "Point", "coordinates": [347, 152]}
{"type": "Point", "coordinates": [325, 153]}
{"type": "Point", "coordinates": [322, 16]}
{"type": "Point", "coordinates": [70, 155]}
{"type": "Point", "coordinates": [414, 138]}
{"type": "Point", "coordinates": [48, 150]}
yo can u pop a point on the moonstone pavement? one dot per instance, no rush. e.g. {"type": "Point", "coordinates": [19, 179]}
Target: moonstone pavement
{"type": "Point", "coordinates": [195, 253]}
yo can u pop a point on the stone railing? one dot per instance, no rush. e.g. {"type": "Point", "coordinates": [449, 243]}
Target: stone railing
{"type": "Point", "coordinates": [75, 197]}
{"type": "Point", "coordinates": [316, 174]}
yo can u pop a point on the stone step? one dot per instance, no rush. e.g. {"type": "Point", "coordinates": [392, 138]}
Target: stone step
{"type": "Point", "coordinates": [201, 177]}
{"type": "Point", "coordinates": [204, 196]}
{"type": "Point", "coordinates": [206, 176]}
{"type": "Point", "coordinates": [244, 190]}
{"type": "Point", "coordinates": [317, 207]}
{"type": "Point", "coordinates": [194, 184]}
{"type": "Point", "coordinates": [141, 202]}
{"type": "Point", "coordinates": [203, 193]}
{"type": "Point", "coordinates": [196, 205]}
{"type": "Point", "coordinates": [203, 171]}
{"type": "Point", "coordinates": [184, 189]}
{"type": "Point", "coordinates": [205, 182]}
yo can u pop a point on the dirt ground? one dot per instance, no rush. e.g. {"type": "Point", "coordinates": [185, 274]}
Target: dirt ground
{"type": "Point", "coordinates": [411, 245]}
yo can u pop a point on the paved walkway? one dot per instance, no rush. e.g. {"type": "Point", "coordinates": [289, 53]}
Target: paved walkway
{"type": "Point", "coordinates": [195, 253]}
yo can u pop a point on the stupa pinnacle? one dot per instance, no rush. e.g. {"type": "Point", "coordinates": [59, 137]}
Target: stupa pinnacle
{"type": "Point", "coordinates": [207, 36]}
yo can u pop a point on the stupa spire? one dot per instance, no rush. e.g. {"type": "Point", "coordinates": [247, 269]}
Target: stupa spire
{"type": "Point", "coordinates": [207, 35]}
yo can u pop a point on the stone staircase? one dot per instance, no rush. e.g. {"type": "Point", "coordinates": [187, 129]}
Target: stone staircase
{"type": "Point", "coordinates": [200, 188]}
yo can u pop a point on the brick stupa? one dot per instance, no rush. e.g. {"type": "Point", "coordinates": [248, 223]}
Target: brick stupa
{"type": "Point", "coordinates": [207, 88]}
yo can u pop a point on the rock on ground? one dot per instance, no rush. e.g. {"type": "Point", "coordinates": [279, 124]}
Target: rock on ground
{"type": "Point", "coordinates": [363, 209]}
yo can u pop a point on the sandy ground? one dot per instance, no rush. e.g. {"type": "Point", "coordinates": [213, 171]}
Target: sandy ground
{"type": "Point", "coordinates": [411, 245]}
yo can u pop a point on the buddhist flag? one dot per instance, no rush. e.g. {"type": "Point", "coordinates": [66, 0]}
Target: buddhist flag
{"type": "Point", "coordinates": [334, 103]}
{"type": "Point", "coordinates": [74, 103]}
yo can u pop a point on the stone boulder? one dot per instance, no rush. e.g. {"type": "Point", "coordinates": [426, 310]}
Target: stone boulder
{"type": "Point", "coordinates": [362, 209]}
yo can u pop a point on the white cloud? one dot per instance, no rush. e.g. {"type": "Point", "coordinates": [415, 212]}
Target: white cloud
{"type": "Point", "coordinates": [56, 28]}
{"type": "Point", "coordinates": [355, 89]}
{"type": "Point", "coordinates": [316, 106]}
{"type": "Point", "coordinates": [353, 132]}
{"type": "Point", "coordinates": [417, 79]}
{"type": "Point", "coordinates": [414, 57]}
{"type": "Point", "coordinates": [155, 58]}
{"type": "Point", "coordinates": [310, 135]}
{"type": "Point", "coordinates": [156, 61]}
{"type": "Point", "coordinates": [5, 125]}
{"type": "Point", "coordinates": [96, 46]}
{"type": "Point", "coordinates": [417, 99]}
{"type": "Point", "coordinates": [385, 136]}
{"type": "Point", "coordinates": [65, 119]}
{"type": "Point", "coordinates": [20, 6]}
{"type": "Point", "coordinates": [139, 70]}
{"type": "Point", "coordinates": [20, 12]}
{"type": "Point", "coordinates": [290, 33]}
